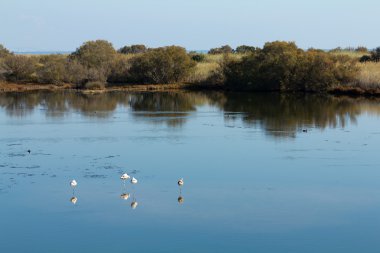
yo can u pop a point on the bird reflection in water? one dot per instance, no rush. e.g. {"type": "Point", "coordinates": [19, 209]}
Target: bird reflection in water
{"type": "Point", "coordinates": [134, 204]}
{"type": "Point", "coordinates": [180, 184]}
{"type": "Point", "coordinates": [73, 184]}
{"type": "Point", "coordinates": [125, 196]}
{"type": "Point", "coordinates": [74, 200]}
{"type": "Point", "coordinates": [180, 199]}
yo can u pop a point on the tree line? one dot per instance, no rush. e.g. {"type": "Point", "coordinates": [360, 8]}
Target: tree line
{"type": "Point", "coordinates": [276, 66]}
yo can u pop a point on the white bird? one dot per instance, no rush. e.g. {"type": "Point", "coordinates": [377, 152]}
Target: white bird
{"type": "Point", "coordinates": [125, 196]}
{"type": "Point", "coordinates": [74, 200]}
{"type": "Point", "coordinates": [125, 176]}
{"type": "Point", "coordinates": [134, 180]}
{"type": "Point", "coordinates": [134, 204]}
{"type": "Point", "coordinates": [73, 183]}
{"type": "Point", "coordinates": [180, 182]}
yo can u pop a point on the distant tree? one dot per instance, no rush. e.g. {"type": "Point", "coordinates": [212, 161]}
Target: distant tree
{"type": "Point", "coordinates": [375, 55]}
{"type": "Point", "coordinates": [4, 52]}
{"type": "Point", "coordinates": [161, 66]}
{"type": "Point", "coordinates": [134, 49]}
{"type": "Point", "coordinates": [221, 50]}
{"type": "Point", "coordinates": [337, 49]}
{"type": "Point", "coordinates": [361, 49]}
{"type": "Point", "coordinates": [95, 54]}
{"type": "Point", "coordinates": [243, 49]}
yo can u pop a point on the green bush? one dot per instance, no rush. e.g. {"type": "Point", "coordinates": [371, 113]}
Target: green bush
{"type": "Point", "coordinates": [282, 66]}
{"type": "Point", "coordinates": [75, 72]}
{"type": "Point", "coordinates": [243, 49]}
{"type": "Point", "coordinates": [120, 70]}
{"type": "Point", "coordinates": [221, 50]}
{"type": "Point", "coordinates": [52, 69]}
{"type": "Point", "coordinates": [161, 65]}
{"type": "Point", "coordinates": [134, 49]}
{"type": "Point", "coordinates": [95, 54]}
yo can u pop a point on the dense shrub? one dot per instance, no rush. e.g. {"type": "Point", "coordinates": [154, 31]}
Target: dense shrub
{"type": "Point", "coordinates": [19, 68]}
{"type": "Point", "coordinates": [221, 50]}
{"type": "Point", "coordinates": [95, 54]}
{"type": "Point", "coordinates": [243, 49]}
{"type": "Point", "coordinates": [75, 72]}
{"type": "Point", "coordinates": [197, 57]}
{"type": "Point", "coordinates": [161, 65]}
{"type": "Point", "coordinates": [375, 55]}
{"type": "Point", "coordinates": [120, 70]}
{"type": "Point", "coordinates": [134, 49]}
{"type": "Point", "coordinates": [283, 66]}
{"type": "Point", "coordinates": [365, 58]}
{"type": "Point", "coordinates": [52, 69]}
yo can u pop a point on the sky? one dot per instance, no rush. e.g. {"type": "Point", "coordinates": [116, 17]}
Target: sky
{"type": "Point", "coordinates": [63, 25]}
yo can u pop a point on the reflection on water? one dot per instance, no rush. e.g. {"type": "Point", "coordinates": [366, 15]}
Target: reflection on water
{"type": "Point", "coordinates": [313, 186]}
{"type": "Point", "coordinates": [125, 196]}
{"type": "Point", "coordinates": [74, 200]}
{"type": "Point", "coordinates": [280, 115]}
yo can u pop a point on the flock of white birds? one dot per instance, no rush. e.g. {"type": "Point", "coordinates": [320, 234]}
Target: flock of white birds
{"type": "Point", "coordinates": [125, 196]}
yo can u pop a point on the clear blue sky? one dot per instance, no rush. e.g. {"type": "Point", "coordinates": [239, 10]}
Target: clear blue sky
{"type": "Point", "coordinates": [43, 25]}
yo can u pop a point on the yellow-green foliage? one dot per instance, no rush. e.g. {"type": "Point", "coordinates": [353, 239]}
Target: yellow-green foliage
{"type": "Point", "coordinates": [284, 66]}
{"type": "Point", "coordinates": [162, 65]}
{"type": "Point", "coordinates": [368, 76]}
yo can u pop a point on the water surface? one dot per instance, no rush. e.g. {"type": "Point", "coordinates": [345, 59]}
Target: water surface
{"type": "Point", "coordinates": [263, 173]}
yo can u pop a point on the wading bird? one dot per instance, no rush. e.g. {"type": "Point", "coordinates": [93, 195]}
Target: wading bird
{"type": "Point", "coordinates": [73, 183]}
{"type": "Point", "coordinates": [125, 176]}
{"type": "Point", "coordinates": [134, 180]}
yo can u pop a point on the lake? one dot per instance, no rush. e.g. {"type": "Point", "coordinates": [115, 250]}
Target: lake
{"type": "Point", "coordinates": [263, 172]}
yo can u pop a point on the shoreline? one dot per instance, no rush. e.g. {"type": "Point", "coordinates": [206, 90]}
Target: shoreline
{"type": "Point", "coordinates": [28, 87]}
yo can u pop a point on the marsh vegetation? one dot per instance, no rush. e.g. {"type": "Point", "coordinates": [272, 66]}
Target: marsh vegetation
{"type": "Point", "coordinates": [277, 66]}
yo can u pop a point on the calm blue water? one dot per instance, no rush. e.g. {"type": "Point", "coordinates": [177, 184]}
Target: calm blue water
{"type": "Point", "coordinates": [254, 181]}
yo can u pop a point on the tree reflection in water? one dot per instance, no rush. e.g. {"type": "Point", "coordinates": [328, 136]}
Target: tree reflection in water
{"type": "Point", "coordinates": [279, 115]}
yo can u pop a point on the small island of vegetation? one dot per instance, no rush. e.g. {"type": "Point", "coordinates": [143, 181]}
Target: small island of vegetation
{"type": "Point", "coordinates": [277, 66]}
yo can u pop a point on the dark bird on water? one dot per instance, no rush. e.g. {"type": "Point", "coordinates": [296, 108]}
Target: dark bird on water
{"type": "Point", "coordinates": [304, 130]}
{"type": "Point", "coordinates": [29, 151]}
